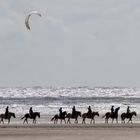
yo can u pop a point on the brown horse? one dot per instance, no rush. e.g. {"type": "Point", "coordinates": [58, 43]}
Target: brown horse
{"type": "Point", "coordinates": [62, 117]}
{"type": "Point", "coordinates": [92, 116]}
{"type": "Point", "coordinates": [112, 116]}
{"type": "Point", "coordinates": [128, 116]}
{"type": "Point", "coordinates": [70, 116]}
{"type": "Point", "coordinates": [10, 114]}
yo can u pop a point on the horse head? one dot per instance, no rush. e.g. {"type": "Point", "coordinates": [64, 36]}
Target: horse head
{"type": "Point", "coordinates": [38, 114]}
{"type": "Point", "coordinates": [79, 113]}
{"type": "Point", "coordinates": [134, 113]}
{"type": "Point", "coordinates": [64, 113]}
{"type": "Point", "coordinates": [116, 110]}
{"type": "Point", "coordinates": [97, 113]}
{"type": "Point", "coordinates": [12, 114]}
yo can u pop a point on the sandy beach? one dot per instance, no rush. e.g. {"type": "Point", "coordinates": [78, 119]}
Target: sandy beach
{"type": "Point", "coordinates": [70, 132]}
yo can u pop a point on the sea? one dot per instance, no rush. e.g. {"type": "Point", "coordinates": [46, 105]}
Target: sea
{"type": "Point", "coordinates": [48, 100]}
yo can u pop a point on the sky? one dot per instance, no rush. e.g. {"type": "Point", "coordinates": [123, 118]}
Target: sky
{"type": "Point", "coordinates": [74, 43]}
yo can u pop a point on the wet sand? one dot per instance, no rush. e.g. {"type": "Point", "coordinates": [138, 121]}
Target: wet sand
{"type": "Point", "coordinates": [70, 132]}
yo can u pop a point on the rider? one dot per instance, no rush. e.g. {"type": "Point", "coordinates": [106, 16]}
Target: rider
{"type": "Point", "coordinates": [112, 109]}
{"type": "Point", "coordinates": [31, 111]}
{"type": "Point", "coordinates": [6, 111]}
{"type": "Point", "coordinates": [89, 111]}
{"type": "Point", "coordinates": [73, 111]}
{"type": "Point", "coordinates": [60, 111]}
{"type": "Point", "coordinates": [128, 110]}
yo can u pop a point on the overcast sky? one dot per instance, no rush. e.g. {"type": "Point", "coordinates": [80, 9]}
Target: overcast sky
{"type": "Point", "coordinates": [74, 43]}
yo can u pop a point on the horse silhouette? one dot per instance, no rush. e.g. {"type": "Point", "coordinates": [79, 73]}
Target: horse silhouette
{"type": "Point", "coordinates": [92, 116]}
{"type": "Point", "coordinates": [113, 115]}
{"type": "Point", "coordinates": [33, 116]}
{"type": "Point", "coordinates": [10, 114]}
{"type": "Point", "coordinates": [128, 116]}
{"type": "Point", "coordinates": [75, 116]}
{"type": "Point", "coordinates": [61, 117]}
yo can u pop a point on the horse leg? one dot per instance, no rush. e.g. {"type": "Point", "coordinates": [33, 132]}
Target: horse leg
{"type": "Point", "coordinates": [65, 121]}
{"type": "Point", "coordinates": [112, 120]}
{"type": "Point", "coordinates": [76, 120]}
{"type": "Point", "coordinates": [68, 121]}
{"type": "Point", "coordinates": [55, 121]}
{"type": "Point", "coordinates": [107, 120]}
{"type": "Point", "coordinates": [131, 120]}
{"type": "Point", "coordinates": [83, 122]}
{"type": "Point", "coordinates": [26, 120]}
{"type": "Point", "coordinates": [91, 121]}
{"type": "Point", "coordinates": [2, 120]}
{"type": "Point", "coordinates": [8, 121]}
{"type": "Point", "coordinates": [116, 120]}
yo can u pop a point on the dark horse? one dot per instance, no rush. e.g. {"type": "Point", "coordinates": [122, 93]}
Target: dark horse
{"type": "Point", "coordinates": [61, 117]}
{"type": "Point", "coordinates": [112, 116]}
{"type": "Point", "coordinates": [70, 116]}
{"type": "Point", "coordinates": [10, 114]}
{"type": "Point", "coordinates": [34, 115]}
{"type": "Point", "coordinates": [93, 114]}
{"type": "Point", "coordinates": [128, 116]}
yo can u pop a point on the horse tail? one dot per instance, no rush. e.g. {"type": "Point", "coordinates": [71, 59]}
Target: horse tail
{"type": "Point", "coordinates": [22, 117]}
{"type": "Point", "coordinates": [53, 118]}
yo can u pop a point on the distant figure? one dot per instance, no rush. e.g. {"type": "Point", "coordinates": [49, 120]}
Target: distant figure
{"type": "Point", "coordinates": [128, 110]}
{"type": "Point", "coordinates": [112, 109]}
{"type": "Point", "coordinates": [60, 112]}
{"type": "Point", "coordinates": [31, 111]}
{"type": "Point", "coordinates": [73, 111]}
{"type": "Point", "coordinates": [89, 111]}
{"type": "Point", "coordinates": [6, 112]}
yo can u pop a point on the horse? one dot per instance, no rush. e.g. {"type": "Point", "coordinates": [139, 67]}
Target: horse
{"type": "Point", "coordinates": [128, 116]}
{"type": "Point", "coordinates": [93, 114]}
{"type": "Point", "coordinates": [70, 116]}
{"type": "Point", "coordinates": [10, 114]}
{"type": "Point", "coordinates": [61, 117]}
{"type": "Point", "coordinates": [33, 116]}
{"type": "Point", "coordinates": [113, 115]}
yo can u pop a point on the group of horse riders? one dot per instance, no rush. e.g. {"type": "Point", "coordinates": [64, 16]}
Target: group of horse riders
{"type": "Point", "coordinates": [127, 110]}
{"type": "Point", "coordinates": [74, 110]}
{"type": "Point", "coordinates": [7, 112]}
{"type": "Point", "coordinates": [89, 112]}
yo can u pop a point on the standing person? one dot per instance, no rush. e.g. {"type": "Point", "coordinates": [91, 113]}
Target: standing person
{"type": "Point", "coordinates": [6, 112]}
{"type": "Point", "coordinates": [89, 111]}
{"type": "Point", "coordinates": [60, 111]}
{"type": "Point", "coordinates": [112, 109]}
{"type": "Point", "coordinates": [31, 111]}
{"type": "Point", "coordinates": [73, 111]}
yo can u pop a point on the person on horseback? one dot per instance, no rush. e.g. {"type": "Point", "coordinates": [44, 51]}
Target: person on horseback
{"type": "Point", "coordinates": [73, 111]}
{"type": "Point", "coordinates": [60, 111]}
{"type": "Point", "coordinates": [128, 110]}
{"type": "Point", "coordinates": [31, 111]}
{"type": "Point", "coordinates": [89, 111]}
{"type": "Point", "coordinates": [112, 109]}
{"type": "Point", "coordinates": [6, 112]}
